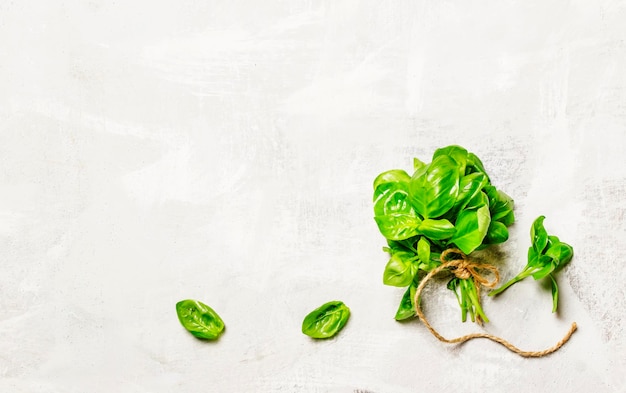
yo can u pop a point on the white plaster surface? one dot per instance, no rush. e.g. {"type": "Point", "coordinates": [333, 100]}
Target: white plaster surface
{"type": "Point", "coordinates": [224, 151]}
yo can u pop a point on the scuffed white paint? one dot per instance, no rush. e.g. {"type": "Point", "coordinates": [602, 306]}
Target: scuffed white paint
{"type": "Point", "coordinates": [151, 152]}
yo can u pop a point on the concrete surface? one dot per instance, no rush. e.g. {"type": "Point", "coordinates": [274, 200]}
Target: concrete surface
{"type": "Point", "coordinates": [225, 151]}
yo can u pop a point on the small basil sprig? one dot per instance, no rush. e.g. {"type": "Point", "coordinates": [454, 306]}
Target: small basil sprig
{"type": "Point", "coordinates": [448, 203]}
{"type": "Point", "coordinates": [326, 320]}
{"type": "Point", "coordinates": [545, 257]}
{"type": "Point", "coordinates": [199, 319]}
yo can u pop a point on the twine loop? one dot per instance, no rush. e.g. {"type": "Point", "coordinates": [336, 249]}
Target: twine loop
{"type": "Point", "coordinates": [464, 268]}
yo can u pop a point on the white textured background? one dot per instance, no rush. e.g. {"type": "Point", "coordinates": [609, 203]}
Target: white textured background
{"type": "Point", "coordinates": [225, 151]}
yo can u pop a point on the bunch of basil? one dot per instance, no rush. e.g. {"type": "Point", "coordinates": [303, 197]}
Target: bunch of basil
{"type": "Point", "coordinates": [449, 203]}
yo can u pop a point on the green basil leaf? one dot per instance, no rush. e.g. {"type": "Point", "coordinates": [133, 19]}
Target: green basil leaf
{"type": "Point", "coordinates": [326, 320]}
{"type": "Point", "coordinates": [434, 191]}
{"type": "Point", "coordinates": [538, 235]}
{"type": "Point", "coordinates": [480, 199]}
{"type": "Point", "coordinates": [508, 219]}
{"type": "Point", "coordinates": [545, 266]}
{"type": "Point", "coordinates": [436, 229]}
{"type": "Point", "coordinates": [532, 256]}
{"type": "Point", "coordinates": [401, 245]}
{"type": "Point", "coordinates": [474, 165]}
{"type": "Point", "coordinates": [199, 319]}
{"type": "Point", "coordinates": [379, 203]}
{"type": "Point", "coordinates": [555, 293]}
{"type": "Point", "coordinates": [398, 226]}
{"type": "Point", "coordinates": [387, 182]}
{"type": "Point", "coordinates": [393, 179]}
{"type": "Point", "coordinates": [423, 250]}
{"type": "Point", "coordinates": [400, 269]}
{"type": "Point", "coordinates": [397, 246]}
{"type": "Point", "coordinates": [394, 201]}
{"type": "Point", "coordinates": [497, 233]}
{"type": "Point", "coordinates": [406, 308]}
{"type": "Point", "coordinates": [469, 186]}
{"type": "Point", "coordinates": [471, 229]}
{"type": "Point", "coordinates": [492, 194]}
{"type": "Point", "coordinates": [553, 240]}
{"type": "Point", "coordinates": [457, 153]}
{"type": "Point", "coordinates": [418, 164]}
{"type": "Point", "coordinates": [502, 209]}
{"type": "Point", "coordinates": [561, 253]}
{"type": "Point", "coordinates": [453, 284]}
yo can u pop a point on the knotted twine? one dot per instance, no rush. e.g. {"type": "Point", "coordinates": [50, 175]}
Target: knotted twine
{"type": "Point", "coordinates": [464, 268]}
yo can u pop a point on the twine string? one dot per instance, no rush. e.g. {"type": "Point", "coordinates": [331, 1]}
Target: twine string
{"type": "Point", "coordinates": [464, 268]}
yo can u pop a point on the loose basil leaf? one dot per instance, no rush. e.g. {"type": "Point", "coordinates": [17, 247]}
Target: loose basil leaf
{"type": "Point", "coordinates": [538, 235]}
{"type": "Point", "coordinates": [471, 229]}
{"type": "Point", "coordinates": [406, 309]}
{"type": "Point", "coordinates": [326, 320]}
{"type": "Point", "coordinates": [398, 226]}
{"type": "Point", "coordinates": [436, 229]}
{"type": "Point", "coordinates": [434, 191]}
{"type": "Point", "coordinates": [457, 153]}
{"type": "Point", "coordinates": [400, 269]}
{"type": "Point", "coordinates": [199, 319]}
{"type": "Point", "coordinates": [497, 233]}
